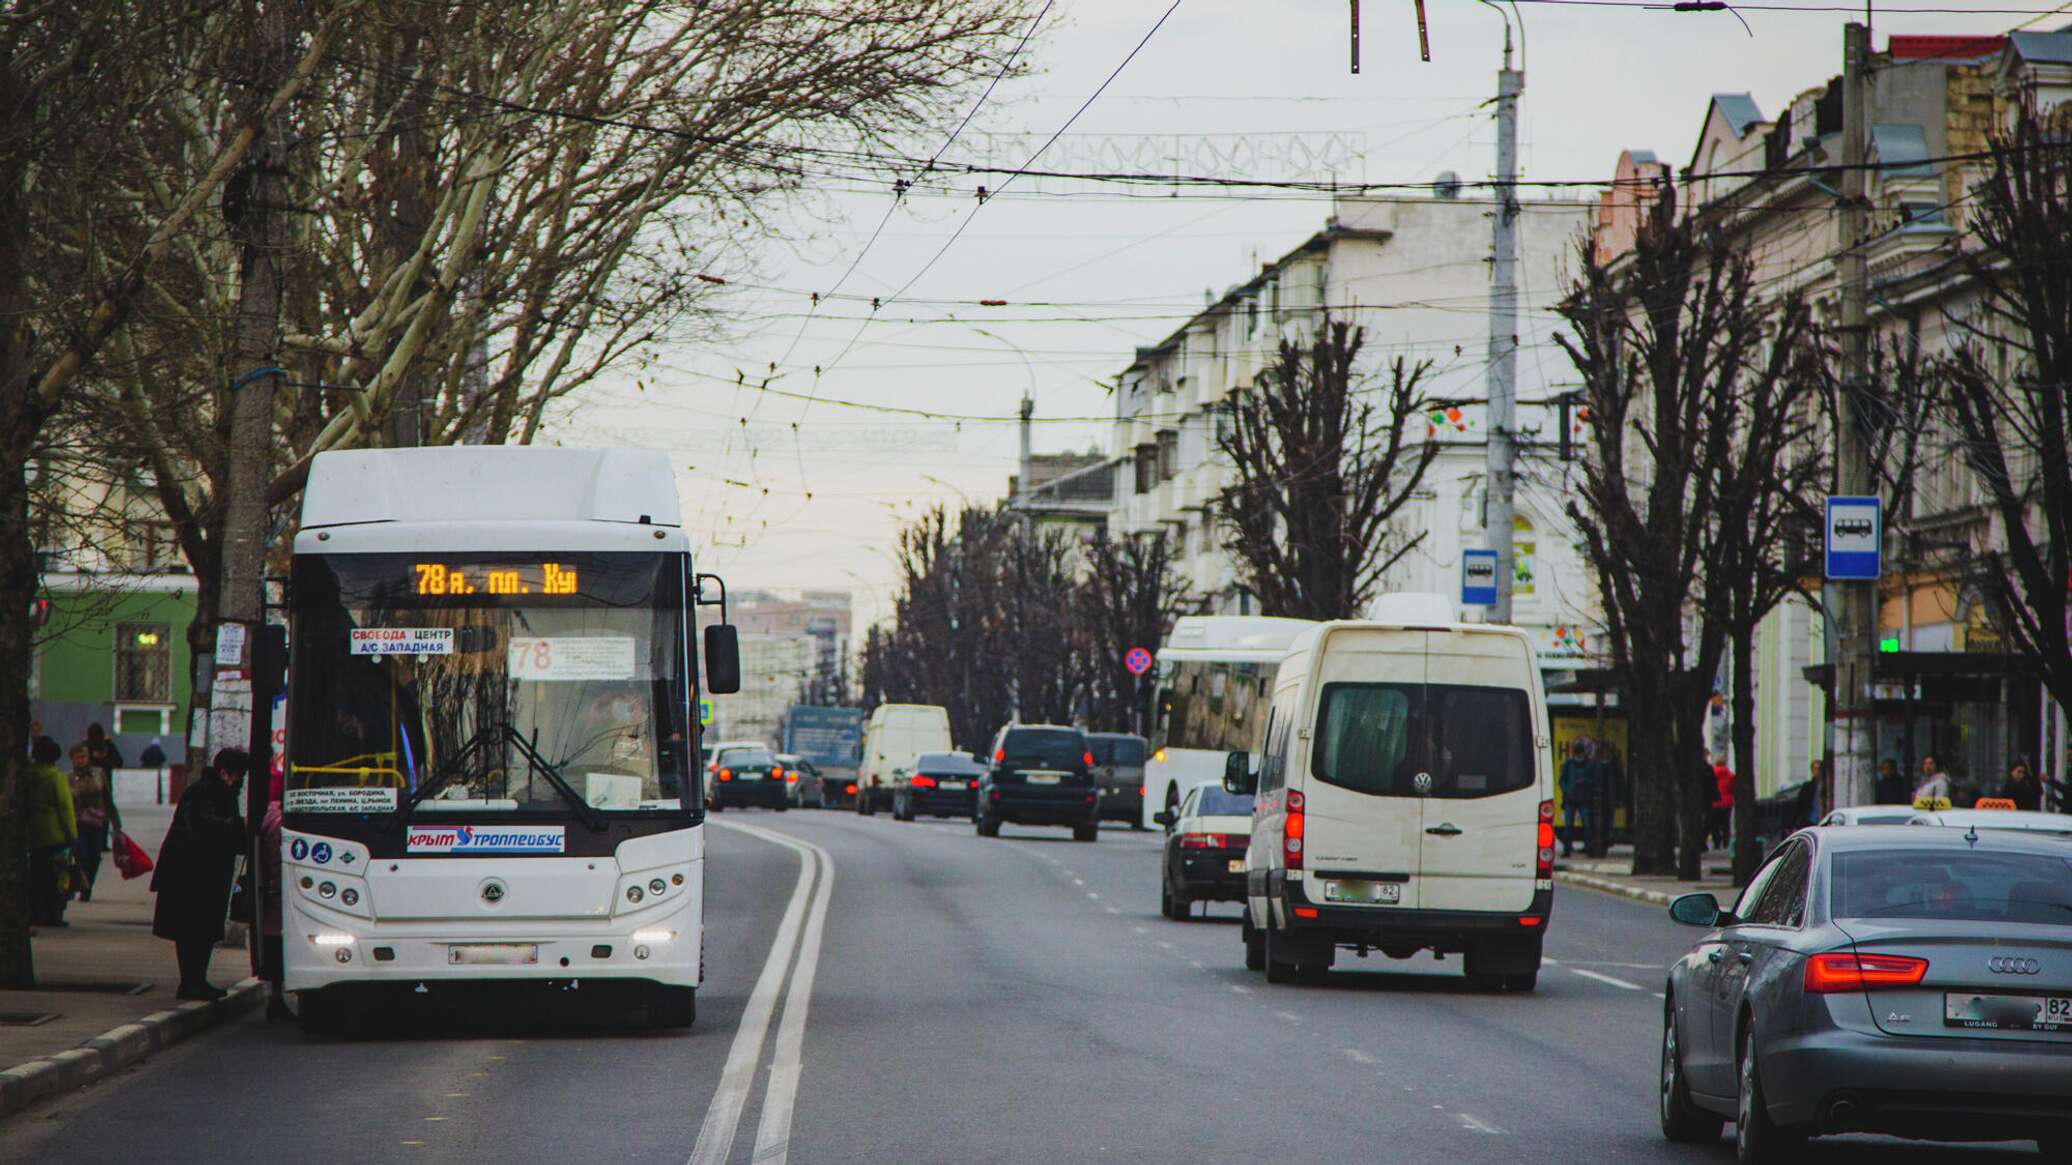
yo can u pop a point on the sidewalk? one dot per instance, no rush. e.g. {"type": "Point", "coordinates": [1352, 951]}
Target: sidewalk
{"type": "Point", "coordinates": [1612, 874]}
{"type": "Point", "coordinates": [104, 995]}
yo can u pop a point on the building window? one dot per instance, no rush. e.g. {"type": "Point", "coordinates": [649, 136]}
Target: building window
{"type": "Point", "coordinates": [1168, 454]}
{"type": "Point", "coordinates": [1147, 468]}
{"type": "Point", "coordinates": [150, 544]}
{"type": "Point", "coordinates": [143, 663]}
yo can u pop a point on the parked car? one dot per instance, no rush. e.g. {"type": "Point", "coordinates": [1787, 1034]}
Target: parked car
{"type": "Point", "coordinates": [892, 738]}
{"type": "Point", "coordinates": [1870, 815]}
{"type": "Point", "coordinates": [2021, 819]}
{"type": "Point", "coordinates": [1204, 850]}
{"type": "Point", "coordinates": [943, 784]}
{"type": "Point", "coordinates": [1119, 768]}
{"type": "Point", "coordinates": [1040, 774]}
{"type": "Point", "coordinates": [801, 781]}
{"type": "Point", "coordinates": [1911, 982]}
{"type": "Point", "coordinates": [742, 776]}
{"type": "Point", "coordinates": [1403, 800]}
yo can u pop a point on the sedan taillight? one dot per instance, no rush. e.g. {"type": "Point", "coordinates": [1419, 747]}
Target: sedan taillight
{"type": "Point", "coordinates": [1849, 971]}
{"type": "Point", "coordinates": [1201, 840]}
{"type": "Point", "coordinates": [921, 782]}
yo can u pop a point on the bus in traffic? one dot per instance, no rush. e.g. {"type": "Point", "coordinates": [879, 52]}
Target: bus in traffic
{"type": "Point", "coordinates": [1215, 675]}
{"type": "Point", "coordinates": [489, 766]}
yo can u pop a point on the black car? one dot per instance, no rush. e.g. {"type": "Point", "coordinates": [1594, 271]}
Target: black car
{"type": "Point", "coordinates": [944, 784]}
{"type": "Point", "coordinates": [1205, 846]}
{"type": "Point", "coordinates": [743, 775]}
{"type": "Point", "coordinates": [1041, 774]}
{"type": "Point", "coordinates": [1119, 766]}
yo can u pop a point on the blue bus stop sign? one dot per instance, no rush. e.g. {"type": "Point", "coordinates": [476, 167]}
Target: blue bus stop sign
{"type": "Point", "coordinates": [1855, 531]}
{"type": "Point", "coordinates": [1478, 578]}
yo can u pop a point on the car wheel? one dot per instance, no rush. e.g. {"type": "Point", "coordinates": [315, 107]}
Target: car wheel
{"type": "Point", "coordinates": [864, 804]}
{"type": "Point", "coordinates": [1758, 1140]}
{"type": "Point", "coordinates": [1279, 968]}
{"type": "Point", "coordinates": [988, 827]}
{"type": "Point", "coordinates": [1086, 832]}
{"type": "Point", "coordinates": [783, 805]}
{"type": "Point", "coordinates": [672, 1006]}
{"type": "Point", "coordinates": [1682, 1122]}
{"type": "Point", "coordinates": [715, 806]}
{"type": "Point", "coordinates": [1255, 946]}
{"type": "Point", "coordinates": [1524, 982]}
{"type": "Point", "coordinates": [900, 812]}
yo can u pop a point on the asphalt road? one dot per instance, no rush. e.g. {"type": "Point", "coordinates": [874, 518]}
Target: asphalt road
{"type": "Point", "coordinates": [956, 999]}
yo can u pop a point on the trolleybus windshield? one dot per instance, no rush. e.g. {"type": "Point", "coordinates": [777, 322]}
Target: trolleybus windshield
{"type": "Point", "coordinates": [477, 684]}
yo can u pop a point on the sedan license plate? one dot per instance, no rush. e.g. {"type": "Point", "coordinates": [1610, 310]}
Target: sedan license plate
{"type": "Point", "coordinates": [949, 784]}
{"type": "Point", "coordinates": [751, 776]}
{"type": "Point", "coordinates": [494, 954]}
{"type": "Point", "coordinates": [1364, 893]}
{"type": "Point", "coordinates": [2020, 1013]}
{"type": "Point", "coordinates": [1043, 778]}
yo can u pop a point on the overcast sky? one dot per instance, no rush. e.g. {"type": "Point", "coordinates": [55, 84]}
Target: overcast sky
{"type": "Point", "coordinates": [1108, 270]}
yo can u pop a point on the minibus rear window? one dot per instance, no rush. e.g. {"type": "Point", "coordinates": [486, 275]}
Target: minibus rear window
{"type": "Point", "coordinates": [1379, 738]}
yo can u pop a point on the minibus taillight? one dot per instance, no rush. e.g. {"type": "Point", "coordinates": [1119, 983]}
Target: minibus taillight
{"type": "Point", "coordinates": [1291, 832]}
{"type": "Point", "coordinates": [1546, 841]}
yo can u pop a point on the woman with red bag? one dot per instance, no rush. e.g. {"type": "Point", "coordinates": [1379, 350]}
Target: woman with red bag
{"type": "Point", "coordinates": [93, 804]}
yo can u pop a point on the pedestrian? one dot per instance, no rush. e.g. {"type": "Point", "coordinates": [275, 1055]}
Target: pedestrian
{"type": "Point", "coordinates": [93, 805]}
{"type": "Point", "coordinates": [154, 755]}
{"type": "Point", "coordinates": [2023, 788]}
{"type": "Point", "coordinates": [1720, 820]}
{"type": "Point", "coordinates": [1889, 787]}
{"type": "Point", "coordinates": [195, 868]}
{"type": "Point", "coordinates": [272, 967]}
{"type": "Point", "coordinates": [102, 749]}
{"type": "Point", "coordinates": [1578, 796]}
{"type": "Point", "coordinates": [1806, 805]}
{"type": "Point", "coordinates": [1934, 785]}
{"type": "Point", "coordinates": [52, 828]}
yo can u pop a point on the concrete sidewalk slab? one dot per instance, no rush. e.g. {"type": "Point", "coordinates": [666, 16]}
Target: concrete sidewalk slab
{"type": "Point", "coordinates": [106, 984]}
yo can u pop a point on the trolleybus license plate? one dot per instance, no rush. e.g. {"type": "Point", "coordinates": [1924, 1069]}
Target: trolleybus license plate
{"type": "Point", "coordinates": [493, 954]}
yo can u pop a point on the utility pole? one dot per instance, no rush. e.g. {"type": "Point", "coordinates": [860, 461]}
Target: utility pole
{"type": "Point", "coordinates": [1857, 624]}
{"type": "Point", "coordinates": [254, 203]}
{"type": "Point", "coordinates": [1503, 337]}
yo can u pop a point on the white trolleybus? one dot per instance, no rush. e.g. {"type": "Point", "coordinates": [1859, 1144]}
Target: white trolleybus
{"type": "Point", "coordinates": [490, 747]}
{"type": "Point", "coordinates": [1215, 679]}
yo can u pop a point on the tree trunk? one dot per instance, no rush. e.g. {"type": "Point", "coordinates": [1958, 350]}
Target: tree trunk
{"type": "Point", "coordinates": [17, 635]}
{"type": "Point", "coordinates": [1746, 852]}
{"type": "Point", "coordinates": [1691, 768]}
{"type": "Point", "coordinates": [1650, 757]}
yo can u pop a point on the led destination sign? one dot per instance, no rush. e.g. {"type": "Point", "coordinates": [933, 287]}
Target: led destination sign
{"type": "Point", "coordinates": [544, 578]}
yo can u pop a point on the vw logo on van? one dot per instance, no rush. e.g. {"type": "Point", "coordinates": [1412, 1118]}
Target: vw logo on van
{"type": "Point", "coordinates": [492, 892]}
{"type": "Point", "coordinates": [1422, 782]}
{"type": "Point", "coordinates": [2009, 965]}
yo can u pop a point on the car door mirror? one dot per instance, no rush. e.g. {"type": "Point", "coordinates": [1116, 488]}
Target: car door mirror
{"type": "Point", "coordinates": [1699, 909]}
{"type": "Point", "coordinates": [1237, 775]}
{"type": "Point", "coordinates": [1164, 817]}
{"type": "Point", "coordinates": [722, 660]}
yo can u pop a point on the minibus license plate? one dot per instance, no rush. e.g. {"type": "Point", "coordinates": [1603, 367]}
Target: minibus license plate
{"type": "Point", "coordinates": [2021, 1013]}
{"type": "Point", "coordinates": [1364, 893]}
{"type": "Point", "coordinates": [493, 954]}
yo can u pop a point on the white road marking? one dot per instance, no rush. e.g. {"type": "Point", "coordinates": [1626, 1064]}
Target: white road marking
{"type": "Point", "coordinates": [1476, 1124]}
{"type": "Point", "coordinates": [1357, 1056]}
{"type": "Point", "coordinates": [723, 1115]}
{"type": "Point", "coordinates": [787, 1059]}
{"type": "Point", "coordinates": [1164, 945]}
{"type": "Point", "coordinates": [1289, 1016]}
{"type": "Point", "coordinates": [1111, 910]}
{"type": "Point", "coordinates": [1092, 895]}
{"type": "Point", "coordinates": [1140, 930]}
{"type": "Point", "coordinates": [1196, 964]}
{"type": "Point", "coordinates": [1619, 983]}
{"type": "Point", "coordinates": [1550, 962]}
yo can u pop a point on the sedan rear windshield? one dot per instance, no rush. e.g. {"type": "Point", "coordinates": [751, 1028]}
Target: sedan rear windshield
{"type": "Point", "coordinates": [1970, 886]}
{"type": "Point", "coordinates": [1117, 750]}
{"type": "Point", "coordinates": [1216, 802]}
{"type": "Point", "coordinates": [952, 763]}
{"type": "Point", "coordinates": [746, 758]}
{"type": "Point", "coordinates": [1060, 748]}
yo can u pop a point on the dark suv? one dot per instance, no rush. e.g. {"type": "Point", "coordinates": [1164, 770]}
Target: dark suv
{"type": "Point", "coordinates": [1039, 774]}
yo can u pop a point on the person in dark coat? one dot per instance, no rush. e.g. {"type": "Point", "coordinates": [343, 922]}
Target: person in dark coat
{"type": "Point", "coordinates": [101, 750]}
{"type": "Point", "coordinates": [2022, 788]}
{"type": "Point", "coordinates": [195, 868]}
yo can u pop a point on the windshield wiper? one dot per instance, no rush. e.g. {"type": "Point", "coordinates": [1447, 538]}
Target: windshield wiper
{"type": "Point", "coordinates": [553, 774]}
{"type": "Point", "coordinates": [446, 772]}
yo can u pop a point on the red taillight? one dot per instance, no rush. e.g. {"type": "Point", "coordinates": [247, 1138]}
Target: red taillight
{"type": "Point", "coordinates": [1849, 971]}
{"type": "Point", "coordinates": [712, 766]}
{"type": "Point", "coordinates": [1305, 912]}
{"type": "Point", "coordinates": [1236, 840]}
{"type": "Point", "coordinates": [1089, 759]}
{"type": "Point", "coordinates": [999, 756]}
{"type": "Point", "coordinates": [1545, 856]}
{"type": "Point", "coordinates": [726, 774]}
{"type": "Point", "coordinates": [1201, 840]}
{"type": "Point", "coordinates": [1528, 920]}
{"type": "Point", "coordinates": [792, 775]}
{"type": "Point", "coordinates": [1140, 790]}
{"type": "Point", "coordinates": [920, 782]}
{"type": "Point", "coordinates": [1291, 832]}
{"type": "Point", "coordinates": [850, 788]}
{"type": "Point", "coordinates": [777, 772]}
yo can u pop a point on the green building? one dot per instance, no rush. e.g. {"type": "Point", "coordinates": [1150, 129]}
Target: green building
{"type": "Point", "coordinates": [112, 651]}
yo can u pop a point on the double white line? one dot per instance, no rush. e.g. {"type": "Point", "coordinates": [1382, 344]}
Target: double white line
{"type": "Point", "coordinates": [799, 933]}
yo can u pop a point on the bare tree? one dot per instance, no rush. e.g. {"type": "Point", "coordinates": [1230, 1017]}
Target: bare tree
{"type": "Point", "coordinates": [1129, 596]}
{"type": "Point", "coordinates": [1319, 468]}
{"type": "Point", "coordinates": [2013, 418]}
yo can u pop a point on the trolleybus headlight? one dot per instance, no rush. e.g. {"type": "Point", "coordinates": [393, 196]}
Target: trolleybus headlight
{"type": "Point", "coordinates": [633, 894]}
{"type": "Point", "coordinates": [658, 886]}
{"type": "Point", "coordinates": [653, 936]}
{"type": "Point", "coordinates": [327, 890]}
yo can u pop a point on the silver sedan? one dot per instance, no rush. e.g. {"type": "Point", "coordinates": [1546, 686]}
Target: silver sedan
{"type": "Point", "coordinates": [1912, 982]}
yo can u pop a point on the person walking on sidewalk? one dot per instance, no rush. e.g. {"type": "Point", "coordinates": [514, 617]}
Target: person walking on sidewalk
{"type": "Point", "coordinates": [93, 803]}
{"type": "Point", "coordinates": [195, 868]}
{"type": "Point", "coordinates": [52, 828]}
{"type": "Point", "coordinates": [1578, 797]}
{"type": "Point", "coordinates": [1720, 820]}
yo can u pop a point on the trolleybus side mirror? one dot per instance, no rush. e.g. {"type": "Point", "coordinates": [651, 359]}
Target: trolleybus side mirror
{"type": "Point", "coordinates": [1237, 774]}
{"type": "Point", "coordinates": [722, 660]}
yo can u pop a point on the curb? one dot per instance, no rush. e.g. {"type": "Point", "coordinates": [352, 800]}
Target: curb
{"type": "Point", "coordinates": [118, 1048]}
{"type": "Point", "coordinates": [1609, 886]}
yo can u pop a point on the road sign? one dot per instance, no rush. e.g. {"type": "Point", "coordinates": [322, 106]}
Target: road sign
{"type": "Point", "coordinates": [1478, 578]}
{"type": "Point", "coordinates": [1855, 531]}
{"type": "Point", "coordinates": [1137, 660]}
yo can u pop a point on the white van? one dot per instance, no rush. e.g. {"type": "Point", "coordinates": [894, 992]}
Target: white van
{"type": "Point", "coordinates": [1403, 799]}
{"type": "Point", "coordinates": [892, 738]}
